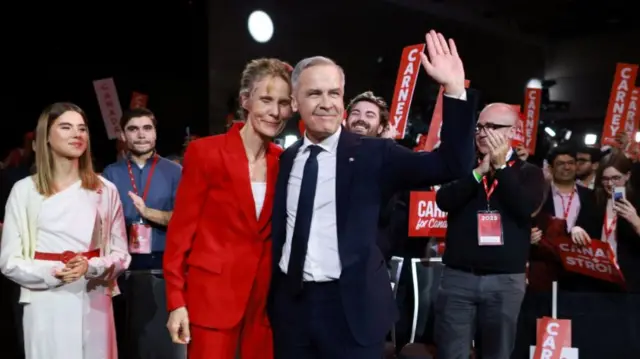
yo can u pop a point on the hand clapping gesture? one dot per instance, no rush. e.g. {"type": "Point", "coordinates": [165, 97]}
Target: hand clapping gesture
{"type": "Point", "coordinates": [498, 148]}
{"type": "Point", "coordinates": [444, 64]}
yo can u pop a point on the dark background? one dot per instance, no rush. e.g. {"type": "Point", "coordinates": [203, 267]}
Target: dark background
{"type": "Point", "coordinates": [188, 55]}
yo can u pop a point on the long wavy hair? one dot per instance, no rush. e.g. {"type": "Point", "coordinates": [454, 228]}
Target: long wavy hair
{"type": "Point", "coordinates": [620, 162]}
{"type": "Point", "coordinates": [44, 163]}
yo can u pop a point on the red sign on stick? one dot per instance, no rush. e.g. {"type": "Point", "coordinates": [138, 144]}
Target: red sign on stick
{"type": "Point", "coordinates": [552, 336]}
{"type": "Point", "coordinates": [425, 218]}
{"type": "Point", "coordinates": [405, 85]}
{"type": "Point", "coordinates": [532, 102]}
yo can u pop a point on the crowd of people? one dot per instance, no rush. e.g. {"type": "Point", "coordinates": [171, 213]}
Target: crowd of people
{"type": "Point", "coordinates": [249, 250]}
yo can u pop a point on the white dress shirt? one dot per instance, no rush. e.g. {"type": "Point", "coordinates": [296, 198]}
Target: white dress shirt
{"type": "Point", "coordinates": [322, 262]}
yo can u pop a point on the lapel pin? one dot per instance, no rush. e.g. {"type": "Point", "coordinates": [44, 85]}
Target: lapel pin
{"type": "Point", "coordinates": [351, 159]}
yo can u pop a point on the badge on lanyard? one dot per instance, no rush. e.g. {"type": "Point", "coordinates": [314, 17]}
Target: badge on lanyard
{"type": "Point", "coordinates": [489, 222]}
{"type": "Point", "coordinates": [140, 233]}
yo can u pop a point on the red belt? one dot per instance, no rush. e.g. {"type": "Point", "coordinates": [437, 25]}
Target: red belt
{"type": "Point", "coordinates": [66, 256]}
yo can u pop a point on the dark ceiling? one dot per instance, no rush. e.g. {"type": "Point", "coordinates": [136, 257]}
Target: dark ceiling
{"type": "Point", "coordinates": [536, 19]}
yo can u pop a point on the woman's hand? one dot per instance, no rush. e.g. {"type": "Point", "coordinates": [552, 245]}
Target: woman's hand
{"type": "Point", "coordinates": [580, 237]}
{"type": "Point", "coordinates": [74, 270]}
{"type": "Point", "coordinates": [626, 210]}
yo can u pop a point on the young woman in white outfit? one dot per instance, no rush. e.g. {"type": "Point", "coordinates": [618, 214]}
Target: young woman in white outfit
{"type": "Point", "coordinates": [64, 243]}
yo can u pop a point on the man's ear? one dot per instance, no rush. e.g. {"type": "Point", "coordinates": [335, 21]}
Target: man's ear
{"type": "Point", "coordinates": [294, 104]}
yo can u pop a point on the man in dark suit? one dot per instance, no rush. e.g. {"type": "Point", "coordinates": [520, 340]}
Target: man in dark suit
{"type": "Point", "coordinates": [330, 294]}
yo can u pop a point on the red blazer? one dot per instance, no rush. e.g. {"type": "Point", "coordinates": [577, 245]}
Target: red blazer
{"type": "Point", "coordinates": [214, 240]}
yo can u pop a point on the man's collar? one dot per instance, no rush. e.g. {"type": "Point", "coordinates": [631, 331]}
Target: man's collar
{"type": "Point", "coordinates": [555, 189]}
{"type": "Point", "coordinates": [128, 157]}
{"type": "Point", "coordinates": [329, 144]}
{"type": "Point", "coordinates": [509, 154]}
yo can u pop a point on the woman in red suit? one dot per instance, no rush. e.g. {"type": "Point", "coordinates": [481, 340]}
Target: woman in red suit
{"type": "Point", "coordinates": [217, 261]}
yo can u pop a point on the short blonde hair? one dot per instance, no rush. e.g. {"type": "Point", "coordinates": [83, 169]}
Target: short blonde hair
{"type": "Point", "coordinates": [258, 69]}
{"type": "Point", "coordinates": [44, 162]}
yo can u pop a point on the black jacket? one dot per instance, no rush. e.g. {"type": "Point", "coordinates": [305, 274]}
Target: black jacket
{"type": "Point", "coordinates": [517, 195]}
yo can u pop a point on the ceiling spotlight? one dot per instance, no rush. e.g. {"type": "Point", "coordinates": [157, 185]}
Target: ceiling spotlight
{"type": "Point", "coordinates": [590, 139]}
{"type": "Point", "coordinates": [550, 131]}
{"type": "Point", "coordinates": [260, 26]}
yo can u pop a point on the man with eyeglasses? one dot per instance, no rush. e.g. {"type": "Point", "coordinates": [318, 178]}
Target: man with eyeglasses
{"type": "Point", "coordinates": [488, 240]}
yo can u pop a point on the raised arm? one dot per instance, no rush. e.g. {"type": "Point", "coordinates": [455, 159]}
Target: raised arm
{"type": "Point", "coordinates": [15, 263]}
{"type": "Point", "coordinates": [190, 199]}
{"type": "Point", "coordinates": [454, 158]}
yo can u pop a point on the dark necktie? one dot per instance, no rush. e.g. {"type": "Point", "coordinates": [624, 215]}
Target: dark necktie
{"type": "Point", "coordinates": [302, 225]}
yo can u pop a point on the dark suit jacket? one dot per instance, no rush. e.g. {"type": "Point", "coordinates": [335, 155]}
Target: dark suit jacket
{"type": "Point", "coordinates": [369, 171]}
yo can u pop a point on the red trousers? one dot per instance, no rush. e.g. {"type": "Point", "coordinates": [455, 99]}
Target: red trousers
{"type": "Point", "coordinates": [251, 338]}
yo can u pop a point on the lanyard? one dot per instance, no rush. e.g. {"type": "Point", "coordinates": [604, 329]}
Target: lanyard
{"type": "Point", "coordinates": [489, 190]}
{"type": "Point", "coordinates": [565, 210]}
{"type": "Point", "coordinates": [148, 184]}
{"type": "Point", "coordinates": [608, 229]}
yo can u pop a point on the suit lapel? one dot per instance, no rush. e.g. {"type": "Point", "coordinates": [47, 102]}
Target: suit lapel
{"type": "Point", "coordinates": [272, 176]}
{"type": "Point", "coordinates": [279, 214]}
{"type": "Point", "coordinates": [237, 166]}
{"type": "Point", "coordinates": [345, 162]}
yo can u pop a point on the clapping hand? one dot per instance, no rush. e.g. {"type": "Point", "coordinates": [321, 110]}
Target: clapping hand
{"type": "Point", "coordinates": [444, 64]}
{"type": "Point", "coordinates": [138, 202]}
{"type": "Point", "coordinates": [498, 148]}
{"type": "Point", "coordinates": [485, 165]}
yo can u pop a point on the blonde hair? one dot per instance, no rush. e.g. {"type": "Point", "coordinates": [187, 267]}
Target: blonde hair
{"type": "Point", "coordinates": [258, 69]}
{"type": "Point", "coordinates": [44, 163]}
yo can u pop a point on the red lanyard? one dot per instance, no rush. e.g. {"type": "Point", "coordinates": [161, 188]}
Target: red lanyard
{"type": "Point", "coordinates": [565, 210]}
{"type": "Point", "coordinates": [489, 190]}
{"type": "Point", "coordinates": [148, 184]}
{"type": "Point", "coordinates": [608, 229]}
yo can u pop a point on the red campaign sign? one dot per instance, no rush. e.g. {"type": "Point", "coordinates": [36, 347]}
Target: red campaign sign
{"type": "Point", "coordinates": [405, 86]}
{"type": "Point", "coordinates": [518, 136]}
{"type": "Point", "coordinates": [425, 218]}
{"type": "Point", "coordinates": [596, 260]}
{"type": "Point", "coordinates": [552, 336]}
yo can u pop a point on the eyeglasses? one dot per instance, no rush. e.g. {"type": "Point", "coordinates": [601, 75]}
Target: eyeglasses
{"type": "Point", "coordinates": [490, 126]}
{"type": "Point", "coordinates": [614, 179]}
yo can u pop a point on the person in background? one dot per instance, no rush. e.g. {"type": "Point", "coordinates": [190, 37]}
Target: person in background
{"type": "Point", "coordinates": [218, 259]}
{"type": "Point", "coordinates": [587, 159]}
{"type": "Point", "coordinates": [71, 222]}
{"type": "Point", "coordinates": [617, 222]}
{"type": "Point", "coordinates": [147, 184]}
{"type": "Point", "coordinates": [565, 200]}
{"type": "Point", "coordinates": [487, 243]}
{"type": "Point", "coordinates": [367, 115]}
